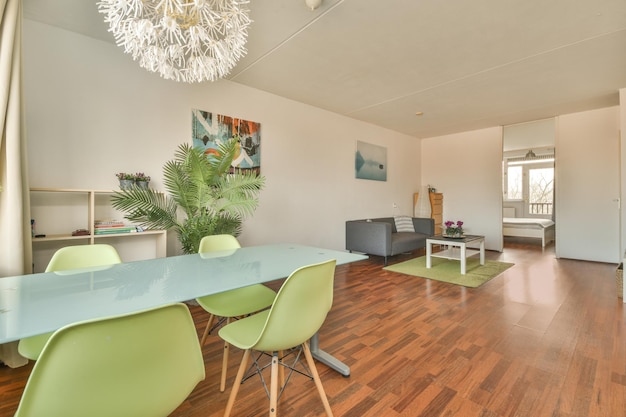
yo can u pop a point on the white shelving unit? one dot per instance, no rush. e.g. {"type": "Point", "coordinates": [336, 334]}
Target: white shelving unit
{"type": "Point", "coordinates": [60, 211]}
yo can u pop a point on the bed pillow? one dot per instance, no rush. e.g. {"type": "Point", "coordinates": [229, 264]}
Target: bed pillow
{"type": "Point", "coordinates": [404, 224]}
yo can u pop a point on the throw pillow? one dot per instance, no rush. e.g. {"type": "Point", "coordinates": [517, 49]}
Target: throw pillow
{"type": "Point", "coordinates": [404, 224]}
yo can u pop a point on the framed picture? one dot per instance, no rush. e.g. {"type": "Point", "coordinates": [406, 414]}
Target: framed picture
{"type": "Point", "coordinates": [370, 162]}
{"type": "Point", "coordinates": [209, 130]}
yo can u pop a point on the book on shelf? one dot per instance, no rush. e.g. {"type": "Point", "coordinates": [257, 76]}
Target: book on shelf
{"type": "Point", "coordinates": [111, 226]}
{"type": "Point", "coordinates": [113, 230]}
{"type": "Point", "coordinates": [108, 223]}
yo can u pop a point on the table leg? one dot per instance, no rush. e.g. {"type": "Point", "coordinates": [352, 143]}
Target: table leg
{"type": "Point", "coordinates": [429, 251]}
{"type": "Point", "coordinates": [326, 358]}
{"type": "Point", "coordinates": [482, 252]}
{"type": "Point", "coordinates": [463, 258]}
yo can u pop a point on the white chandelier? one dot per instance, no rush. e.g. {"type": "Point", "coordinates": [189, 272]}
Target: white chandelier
{"type": "Point", "coordinates": [182, 40]}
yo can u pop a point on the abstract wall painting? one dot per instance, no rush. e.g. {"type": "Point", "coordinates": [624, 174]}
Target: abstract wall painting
{"type": "Point", "coordinates": [370, 162]}
{"type": "Point", "coordinates": [209, 130]}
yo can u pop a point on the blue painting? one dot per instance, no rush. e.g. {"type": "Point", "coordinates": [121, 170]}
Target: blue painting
{"type": "Point", "coordinates": [370, 162]}
{"type": "Point", "coordinates": [209, 130]}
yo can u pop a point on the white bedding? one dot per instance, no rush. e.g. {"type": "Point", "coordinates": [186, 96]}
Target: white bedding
{"type": "Point", "coordinates": [529, 227]}
{"type": "Point", "coordinates": [524, 222]}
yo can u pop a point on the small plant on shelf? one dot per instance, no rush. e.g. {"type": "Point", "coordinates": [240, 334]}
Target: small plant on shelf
{"type": "Point", "coordinates": [140, 176]}
{"type": "Point", "coordinates": [123, 176]}
{"type": "Point", "coordinates": [126, 180]}
{"type": "Point", "coordinates": [142, 180]}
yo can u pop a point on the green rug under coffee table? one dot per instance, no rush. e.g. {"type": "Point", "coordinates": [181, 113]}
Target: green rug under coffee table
{"type": "Point", "coordinates": [449, 270]}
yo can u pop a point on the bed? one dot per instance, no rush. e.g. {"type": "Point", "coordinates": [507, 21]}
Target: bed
{"type": "Point", "coordinates": [527, 227]}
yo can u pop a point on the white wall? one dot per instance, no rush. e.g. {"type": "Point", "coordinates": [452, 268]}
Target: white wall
{"type": "Point", "coordinates": [529, 135]}
{"type": "Point", "coordinates": [622, 100]}
{"type": "Point", "coordinates": [92, 112]}
{"type": "Point", "coordinates": [587, 171]}
{"type": "Point", "coordinates": [467, 169]}
{"type": "Point", "coordinates": [622, 141]}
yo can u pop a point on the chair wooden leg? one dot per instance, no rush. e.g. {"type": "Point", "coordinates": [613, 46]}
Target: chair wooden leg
{"type": "Point", "coordinates": [274, 385]}
{"type": "Point", "coordinates": [237, 383]}
{"type": "Point", "coordinates": [281, 371]}
{"type": "Point", "coordinates": [224, 367]}
{"type": "Point", "coordinates": [224, 363]}
{"type": "Point", "coordinates": [206, 331]}
{"type": "Point", "coordinates": [316, 378]}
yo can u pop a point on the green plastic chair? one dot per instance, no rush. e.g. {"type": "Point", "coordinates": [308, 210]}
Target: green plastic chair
{"type": "Point", "coordinates": [64, 259]}
{"type": "Point", "coordinates": [234, 303]}
{"type": "Point", "coordinates": [136, 365]}
{"type": "Point", "coordinates": [298, 312]}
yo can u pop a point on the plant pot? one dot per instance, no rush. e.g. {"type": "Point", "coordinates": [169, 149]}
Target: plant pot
{"type": "Point", "coordinates": [126, 184]}
{"type": "Point", "coordinates": [142, 184]}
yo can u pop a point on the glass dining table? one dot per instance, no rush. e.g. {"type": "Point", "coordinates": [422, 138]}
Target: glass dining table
{"type": "Point", "coordinates": [44, 302]}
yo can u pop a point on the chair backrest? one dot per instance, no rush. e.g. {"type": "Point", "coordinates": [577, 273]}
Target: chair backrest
{"type": "Point", "coordinates": [83, 256]}
{"type": "Point", "coordinates": [300, 307]}
{"type": "Point", "coordinates": [141, 364]}
{"type": "Point", "coordinates": [213, 243]}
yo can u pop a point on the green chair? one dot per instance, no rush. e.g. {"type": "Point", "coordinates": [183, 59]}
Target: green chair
{"type": "Point", "coordinates": [298, 312]}
{"type": "Point", "coordinates": [234, 303]}
{"type": "Point", "coordinates": [135, 365]}
{"type": "Point", "coordinates": [68, 258]}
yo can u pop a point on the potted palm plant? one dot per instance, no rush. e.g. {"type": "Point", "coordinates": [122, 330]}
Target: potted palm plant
{"type": "Point", "coordinates": [203, 196]}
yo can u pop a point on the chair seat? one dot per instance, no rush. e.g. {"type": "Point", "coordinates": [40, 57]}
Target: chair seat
{"type": "Point", "coordinates": [238, 302]}
{"type": "Point", "coordinates": [31, 347]}
{"type": "Point", "coordinates": [245, 332]}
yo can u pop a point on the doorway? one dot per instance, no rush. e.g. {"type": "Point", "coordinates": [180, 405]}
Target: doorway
{"type": "Point", "coordinates": [528, 186]}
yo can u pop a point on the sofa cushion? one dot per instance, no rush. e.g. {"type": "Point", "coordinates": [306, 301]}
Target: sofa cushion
{"type": "Point", "coordinates": [404, 224]}
{"type": "Point", "coordinates": [407, 242]}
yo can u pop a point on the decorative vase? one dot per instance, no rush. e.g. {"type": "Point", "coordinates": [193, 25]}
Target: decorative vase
{"type": "Point", "coordinates": [126, 184]}
{"type": "Point", "coordinates": [142, 184]}
{"type": "Point", "coordinates": [422, 206]}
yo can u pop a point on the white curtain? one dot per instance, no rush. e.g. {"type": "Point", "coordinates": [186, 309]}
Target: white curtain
{"type": "Point", "coordinates": [15, 245]}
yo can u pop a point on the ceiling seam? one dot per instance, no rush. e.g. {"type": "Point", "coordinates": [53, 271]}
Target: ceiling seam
{"type": "Point", "coordinates": [465, 77]}
{"type": "Point", "coordinates": [274, 49]}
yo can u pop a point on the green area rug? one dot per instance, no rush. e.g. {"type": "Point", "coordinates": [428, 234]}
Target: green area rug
{"type": "Point", "coordinates": [448, 270]}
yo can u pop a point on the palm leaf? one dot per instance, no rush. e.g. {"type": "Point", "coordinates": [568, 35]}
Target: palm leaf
{"type": "Point", "coordinates": [148, 208]}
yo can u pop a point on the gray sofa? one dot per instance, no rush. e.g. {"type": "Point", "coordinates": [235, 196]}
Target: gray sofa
{"type": "Point", "coordinates": [379, 236]}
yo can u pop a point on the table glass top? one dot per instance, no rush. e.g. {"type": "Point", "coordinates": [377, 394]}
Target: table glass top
{"type": "Point", "coordinates": [39, 303]}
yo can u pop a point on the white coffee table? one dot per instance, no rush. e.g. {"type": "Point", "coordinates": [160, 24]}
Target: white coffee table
{"type": "Point", "coordinates": [456, 249]}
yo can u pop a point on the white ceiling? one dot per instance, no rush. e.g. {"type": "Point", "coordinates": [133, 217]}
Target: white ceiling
{"type": "Point", "coordinates": [465, 64]}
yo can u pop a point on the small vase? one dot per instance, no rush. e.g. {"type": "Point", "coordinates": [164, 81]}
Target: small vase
{"type": "Point", "coordinates": [142, 184]}
{"type": "Point", "coordinates": [126, 184]}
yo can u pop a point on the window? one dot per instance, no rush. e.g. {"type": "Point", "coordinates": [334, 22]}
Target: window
{"type": "Point", "coordinates": [531, 182]}
{"type": "Point", "coordinates": [540, 190]}
{"type": "Point", "coordinates": [514, 183]}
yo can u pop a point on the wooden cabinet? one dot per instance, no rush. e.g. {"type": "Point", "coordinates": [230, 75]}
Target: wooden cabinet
{"type": "Point", "coordinates": [436, 206]}
{"type": "Point", "coordinates": [436, 209]}
{"type": "Point", "coordinates": [58, 212]}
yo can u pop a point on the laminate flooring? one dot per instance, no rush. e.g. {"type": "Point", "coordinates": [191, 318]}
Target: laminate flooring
{"type": "Point", "coordinates": [545, 338]}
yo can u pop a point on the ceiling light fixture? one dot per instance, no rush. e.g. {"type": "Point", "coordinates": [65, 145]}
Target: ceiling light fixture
{"type": "Point", "coordinates": [182, 40]}
{"type": "Point", "coordinates": [313, 4]}
{"type": "Point", "coordinates": [531, 158]}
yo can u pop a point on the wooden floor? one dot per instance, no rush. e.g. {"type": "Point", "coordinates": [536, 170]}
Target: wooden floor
{"type": "Point", "coordinates": [545, 338]}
